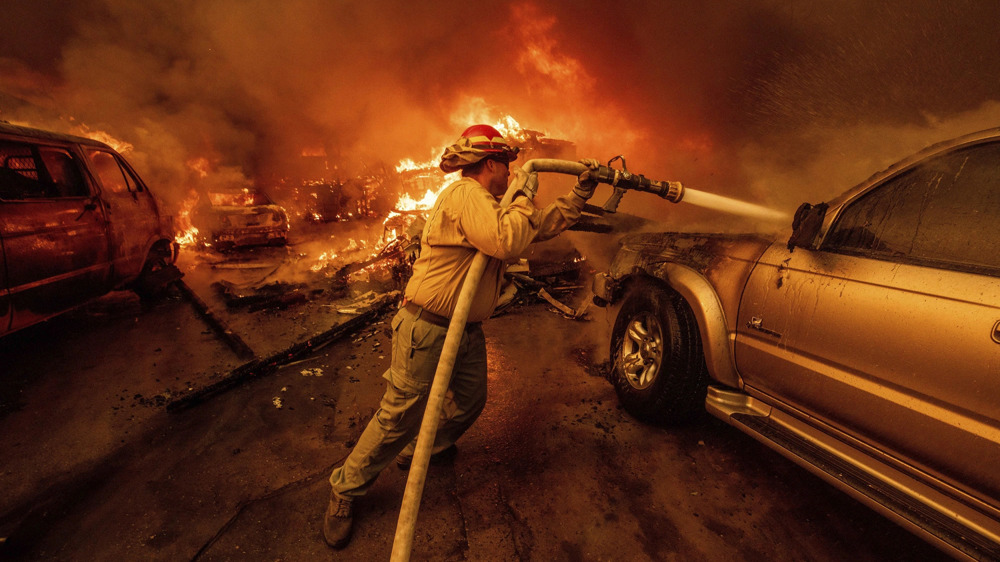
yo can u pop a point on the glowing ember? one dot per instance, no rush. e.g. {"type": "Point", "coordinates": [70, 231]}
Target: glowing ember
{"type": "Point", "coordinates": [322, 261]}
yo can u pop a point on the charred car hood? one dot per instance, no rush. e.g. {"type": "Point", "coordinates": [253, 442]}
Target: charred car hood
{"type": "Point", "coordinates": [696, 250]}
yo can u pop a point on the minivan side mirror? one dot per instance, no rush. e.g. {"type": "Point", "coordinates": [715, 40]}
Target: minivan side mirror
{"type": "Point", "coordinates": [806, 224]}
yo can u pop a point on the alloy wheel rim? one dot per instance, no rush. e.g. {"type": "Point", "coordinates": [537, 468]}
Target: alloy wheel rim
{"type": "Point", "coordinates": [641, 352]}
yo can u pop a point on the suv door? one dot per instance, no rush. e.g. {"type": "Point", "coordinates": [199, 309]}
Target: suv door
{"type": "Point", "coordinates": [131, 211]}
{"type": "Point", "coordinates": [54, 236]}
{"type": "Point", "coordinates": [890, 331]}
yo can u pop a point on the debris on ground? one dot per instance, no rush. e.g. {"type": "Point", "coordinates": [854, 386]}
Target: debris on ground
{"type": "Point", "coordinates": [244, 265]}
{"type": "Point", "coordinates": [367, 300]}
{"type": "Point", "coordinates": [577, 313]}
{"type": "Point", "coordinates": [264, 366]}
{"type": "Point", "coordinates": [274, 295]}
{"type": "Point", "coordinates": [507, 294]}
{"type": "Point", "coordinates": [529, 281]}
{"type": "Point", "coordinates": [398, 255]}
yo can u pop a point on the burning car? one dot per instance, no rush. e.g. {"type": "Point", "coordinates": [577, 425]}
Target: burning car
{"type": "Point", "coordinates": [243, 217]}
{"type": "Point", "coordinates": [864, 344]}
{"type": "Point", "coordinates": [76, 221]}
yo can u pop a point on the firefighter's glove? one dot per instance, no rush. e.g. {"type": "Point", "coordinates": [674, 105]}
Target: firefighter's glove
{"type": "Point", "coordinates": [529, 182]}
{"type": "Point", "coordinates": [586, 182]}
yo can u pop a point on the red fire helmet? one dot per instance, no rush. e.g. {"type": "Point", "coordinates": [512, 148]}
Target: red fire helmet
{"type": "Point", "coordinates": [477, 143]}
{"type": "Point", "coordinates": [489, 140]}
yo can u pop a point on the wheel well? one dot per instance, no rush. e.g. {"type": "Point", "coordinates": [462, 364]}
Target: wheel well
{"type": "Point", "coordinates": [700, 297]}
{"type": "Point", "coordinates": [163, 248]}
{"type": "Point", "coordinates": [627, 283]}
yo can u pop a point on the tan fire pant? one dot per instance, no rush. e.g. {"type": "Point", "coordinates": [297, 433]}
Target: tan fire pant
{"type": "Point", "coordinates": [416, 348]}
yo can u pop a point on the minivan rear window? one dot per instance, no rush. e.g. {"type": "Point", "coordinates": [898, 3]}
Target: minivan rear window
{"type": "Point", "coordinates": [29, 171]}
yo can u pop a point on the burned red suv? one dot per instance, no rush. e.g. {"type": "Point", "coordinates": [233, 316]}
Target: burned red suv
{"type": "Point", "coordinates": [76, 222]}
{"type": "Point", "coordinates": [863, 343]}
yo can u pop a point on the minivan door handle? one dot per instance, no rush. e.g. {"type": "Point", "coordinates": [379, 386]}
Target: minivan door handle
{"type": "Point", "coordinates": [996, 332]}
{"type": "Point", "coordinates": [88, 206]}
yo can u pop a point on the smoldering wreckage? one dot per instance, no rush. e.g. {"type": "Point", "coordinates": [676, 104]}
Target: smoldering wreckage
{"type": "Point", "coordinates": [364, 282]}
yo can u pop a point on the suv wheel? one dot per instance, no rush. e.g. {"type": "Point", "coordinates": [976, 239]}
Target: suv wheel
{"type": "Point", "coordinates": [657, 366]}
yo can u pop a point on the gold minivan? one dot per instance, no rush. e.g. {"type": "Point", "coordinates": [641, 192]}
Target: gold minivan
{"type": "Point", "coordinates": [863, 344]}
{"type": "Point", "coordinates": [76, 222]}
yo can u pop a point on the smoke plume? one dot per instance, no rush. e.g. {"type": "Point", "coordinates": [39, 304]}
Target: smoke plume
{"type": "Point", "coordinates": [771, 101]}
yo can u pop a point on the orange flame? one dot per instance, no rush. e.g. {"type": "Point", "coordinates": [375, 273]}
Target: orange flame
{"type": "Point", "coordinates": [200, 166]}
{"type": "Point", "coordinates": [187, 234]}
{"type": "Point", "coordinates": [101, 136]}
{"type": "Point", "coordinates": [428, 169]}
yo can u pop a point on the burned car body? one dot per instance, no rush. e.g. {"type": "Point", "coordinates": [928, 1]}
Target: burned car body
{"type": "Point", "coordinates": [243, 217]}
{"type": "Point", "coordinates": [76, 221]}
{"type": "Point", "coordinates": [863, 344]}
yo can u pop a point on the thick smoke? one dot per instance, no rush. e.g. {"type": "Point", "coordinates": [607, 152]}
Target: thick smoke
{"type": "Point", "coordinates": [772, 101]}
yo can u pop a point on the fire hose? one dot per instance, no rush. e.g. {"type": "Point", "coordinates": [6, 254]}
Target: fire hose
{"type": "Point", "coordinates": [621, 180]}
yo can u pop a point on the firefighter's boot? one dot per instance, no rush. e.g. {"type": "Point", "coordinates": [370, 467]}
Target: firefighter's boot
{"type": "Point", "coordinates": [338, 522]}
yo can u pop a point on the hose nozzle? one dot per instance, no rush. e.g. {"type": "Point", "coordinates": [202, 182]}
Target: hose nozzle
{"type": "Point", "coordinates": [623, 180]}
{"type": "Point", "coordinates": [672, 191]}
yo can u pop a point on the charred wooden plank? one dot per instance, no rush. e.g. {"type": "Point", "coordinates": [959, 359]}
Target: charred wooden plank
{"type": "Point", "coordinates": [265, 366]}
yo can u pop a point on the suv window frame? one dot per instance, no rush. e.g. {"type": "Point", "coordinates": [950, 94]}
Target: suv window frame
{"type": "Point", "coordinates": [832, 245]}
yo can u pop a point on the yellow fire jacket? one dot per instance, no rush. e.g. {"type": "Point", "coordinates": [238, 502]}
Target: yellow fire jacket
{"type": "Point", "coordinates": [466, 219]}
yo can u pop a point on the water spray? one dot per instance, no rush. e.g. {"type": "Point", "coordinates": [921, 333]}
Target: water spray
{"type": "Point", "coordinates": [621, 180]}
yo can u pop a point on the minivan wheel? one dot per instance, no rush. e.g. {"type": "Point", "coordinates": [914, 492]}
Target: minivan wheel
{"type": "Point", "coordinates": [157, 274]}
{"type": "Point", "coordinates": [657, 366]}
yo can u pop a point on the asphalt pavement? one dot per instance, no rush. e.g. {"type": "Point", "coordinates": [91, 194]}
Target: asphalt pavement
{"type": "Point", "coordinates": [97, 468]}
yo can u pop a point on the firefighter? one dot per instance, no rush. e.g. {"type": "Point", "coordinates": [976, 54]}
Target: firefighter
{"type": "Point", "coordinates": [466, 219]}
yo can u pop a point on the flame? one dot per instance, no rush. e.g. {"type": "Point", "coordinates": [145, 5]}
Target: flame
{"type": "Point", "coordinates": [407, 203]}
{"type": "Point", "coordinates": [322, 261]}
{"type": "Point", "coordinates": [314, 151]}
{"type": "Point", "coordinates": [423, 182]}
{"type": "Point", "coordinates": [120, 146]}
{"type": "Point", "coordinates": [186, 233]}
{"type": "Point", "coordinates": [510, 129]}
{"type": "Point", "coordinates": [200, 166]}
{"type": "Point", "coordinates": [428, 171]}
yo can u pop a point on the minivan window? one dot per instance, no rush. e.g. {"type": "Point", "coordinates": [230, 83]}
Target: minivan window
{"type": "Point", "coordinates": [111, 173]}
{"type": "Point", "coordinates": [28, 171]}
{"type": "Point", "coordinates": [64, 171]}
{"type": "Point", "coordinates": [943, 212]}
